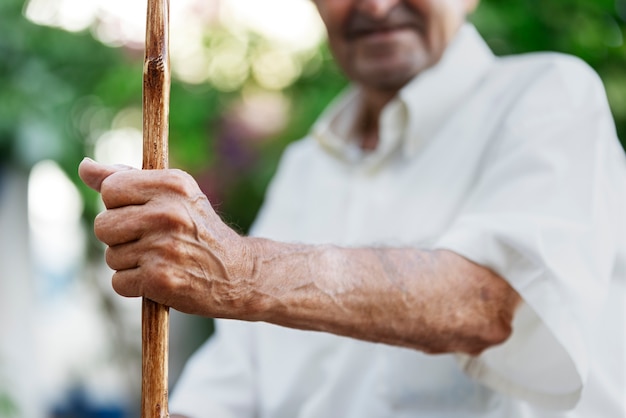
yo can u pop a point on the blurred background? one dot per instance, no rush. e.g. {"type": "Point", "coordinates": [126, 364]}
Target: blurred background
{"type": "Point", "coordinates": [249, 76]}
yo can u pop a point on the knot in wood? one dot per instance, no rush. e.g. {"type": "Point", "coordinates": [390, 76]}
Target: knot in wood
{"type": "Point", "coordinates": [154, 71]}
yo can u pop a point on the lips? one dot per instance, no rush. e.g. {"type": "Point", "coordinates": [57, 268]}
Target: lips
{"type": "Point", "coordinates": [377, 31]}
{"type": "Point", "coordinates": [401, 17]}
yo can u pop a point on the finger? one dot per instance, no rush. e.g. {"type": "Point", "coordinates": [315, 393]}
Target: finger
{"type": "Point", "coordinates": [122, 225]}
{"type": "Point", "coordinates": [124, 257]}
{"type": "Point", "coordinates": [93, 173]}
{"type": "Point", "coordinates": [137, 187]}
{"type": "Point", "coordinates": [144, 281]}
{"type": "Point", "coordinates": [120, 185]}
{"type": "Point", "coordinates": [128, 283]}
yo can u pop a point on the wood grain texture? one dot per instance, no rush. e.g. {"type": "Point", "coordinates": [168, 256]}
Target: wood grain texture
{"type": "Point", "coordinates": [156, 86]}
{"type": "Point", "coordinates": [154, 388]}
{"type": "Point", "coordinates": [156, 97]}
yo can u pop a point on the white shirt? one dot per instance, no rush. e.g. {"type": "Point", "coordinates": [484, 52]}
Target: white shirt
{"type": "Point", "coordinates": [511, 162]}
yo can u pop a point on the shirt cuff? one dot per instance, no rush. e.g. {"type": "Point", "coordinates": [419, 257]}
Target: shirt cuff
{"type": "Point", "coordinates": [544, 361]}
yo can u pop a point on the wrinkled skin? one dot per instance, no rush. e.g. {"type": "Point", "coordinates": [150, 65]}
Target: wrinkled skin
{"type": "Point", "coordinates": [166, 242]}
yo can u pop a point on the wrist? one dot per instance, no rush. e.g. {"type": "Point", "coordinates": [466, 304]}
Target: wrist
{"type": "Point", "coordinates": [254, 277]}
{"type": "Point", "coordinates": [277, 278]}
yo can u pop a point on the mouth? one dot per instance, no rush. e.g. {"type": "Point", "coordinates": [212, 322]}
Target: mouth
{"type": "Point", "coordinates": [374, 31]}
{"type": "Point", "coordinates": [401, 18]}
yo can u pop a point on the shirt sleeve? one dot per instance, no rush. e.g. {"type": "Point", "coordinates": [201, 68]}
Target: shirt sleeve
{"type": "Point", "coordinates": [217, 381]}
{"type": "Point", "coordinates": [542, 215]}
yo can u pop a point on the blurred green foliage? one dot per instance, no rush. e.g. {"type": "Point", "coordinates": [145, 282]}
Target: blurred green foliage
{"type": "Point", "coordinates": [591, 30]}
{"type": "Point", "coordinates": [58, 90]}
{"type": "Point", "coordinates": [7, 407]}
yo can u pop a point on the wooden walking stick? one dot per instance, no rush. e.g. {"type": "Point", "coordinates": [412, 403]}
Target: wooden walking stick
{"type": "Point", "coordinates": [156, 96]}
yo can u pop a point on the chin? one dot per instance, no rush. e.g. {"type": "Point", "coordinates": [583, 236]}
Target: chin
{"type": "Point", "coordinates": [388, 73]}
{"type": "Point", "coordinates": [387, 79]}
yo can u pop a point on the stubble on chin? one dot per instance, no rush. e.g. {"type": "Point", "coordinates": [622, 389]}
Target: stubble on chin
{"type": "Point", "coordinates": [390, 71]}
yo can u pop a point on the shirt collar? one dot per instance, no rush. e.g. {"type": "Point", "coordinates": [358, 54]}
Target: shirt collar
{"type": "Point", "coordinates": [419, 109]}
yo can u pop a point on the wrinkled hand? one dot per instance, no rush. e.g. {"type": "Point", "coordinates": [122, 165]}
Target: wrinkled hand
{"type": "Point", "coordinates": [167, 244]}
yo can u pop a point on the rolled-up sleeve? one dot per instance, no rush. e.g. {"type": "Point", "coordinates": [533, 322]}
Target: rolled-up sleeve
{"type": "Point", "coordinates": [542, 215]}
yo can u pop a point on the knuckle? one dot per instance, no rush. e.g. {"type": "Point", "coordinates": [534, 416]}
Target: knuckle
{"type": "Point", "coordinates": [159, 282]}
{"type": "Point", "coordinates": [180, 182]}
{"type": "Point", "coordinates": [162, 220]}
{"type": "Point", "coordinates": [169, 217]}
{"type": "Point", "coordinates": [180, 175]}
{"type": "Point", "coordinates": [165, 283]}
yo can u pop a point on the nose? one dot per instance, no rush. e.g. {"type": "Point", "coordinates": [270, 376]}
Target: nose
{"type": "Point", "coordinates": [377, 9]}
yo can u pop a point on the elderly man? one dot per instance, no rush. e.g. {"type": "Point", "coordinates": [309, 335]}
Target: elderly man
{"type": "Point", "coordinates": [453, 225]}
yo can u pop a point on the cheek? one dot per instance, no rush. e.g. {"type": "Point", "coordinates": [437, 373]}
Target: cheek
{"type": "Point", "coordinates": [334, 12]}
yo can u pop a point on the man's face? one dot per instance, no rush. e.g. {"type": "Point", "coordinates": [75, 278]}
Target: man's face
{"type": "Point", "coordinates": [383, 44]}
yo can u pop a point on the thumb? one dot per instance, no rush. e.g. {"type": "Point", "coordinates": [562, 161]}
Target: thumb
{"type": "Point", "coordinates": [93, 173]}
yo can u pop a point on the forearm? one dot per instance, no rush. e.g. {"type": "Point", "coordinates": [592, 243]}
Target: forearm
{"type": "Point", "coordinates": [167, 244]}
{"type": "Point", "coordinates": [434, 301]}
